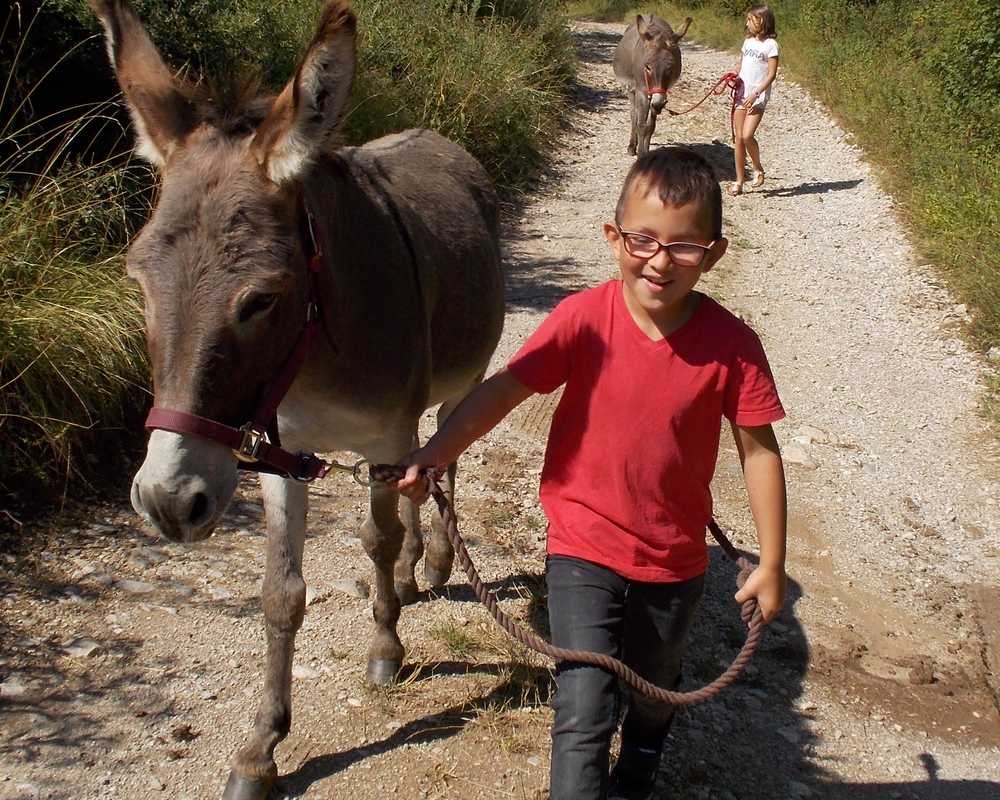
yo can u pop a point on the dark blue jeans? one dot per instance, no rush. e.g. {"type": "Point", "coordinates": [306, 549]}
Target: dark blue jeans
{"type": "Point", "coordinates": [643, 624]}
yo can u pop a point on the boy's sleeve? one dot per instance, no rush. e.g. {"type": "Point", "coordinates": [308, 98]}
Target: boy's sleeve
{"type": "Point", "coordinates": [543, 362]}
{"type": "Point", "coordinates": [751, 398]}
{"type": "Point", "coordinates": [772, 49]}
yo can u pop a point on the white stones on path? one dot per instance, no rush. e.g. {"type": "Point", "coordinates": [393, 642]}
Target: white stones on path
{"type": "Point", "coordinates": [352, 587]}
{"type": "Point", "coordinates": [134, 587]}
{"type": "Point", "coordinates": [81, 647]}
{"type": "Point", "coordinates": [14, 688]}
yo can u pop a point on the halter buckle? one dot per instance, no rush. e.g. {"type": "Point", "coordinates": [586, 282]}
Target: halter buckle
{"type": "Point", "coordinates": [250, 444]}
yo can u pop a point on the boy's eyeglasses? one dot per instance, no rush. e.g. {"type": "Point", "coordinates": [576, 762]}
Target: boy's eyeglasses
{"type": "Point", "coordinates": [683, 254]}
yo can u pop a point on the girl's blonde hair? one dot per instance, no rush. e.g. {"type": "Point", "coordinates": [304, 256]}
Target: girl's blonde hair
{"type": "Point", "coordinates": [766, 16]}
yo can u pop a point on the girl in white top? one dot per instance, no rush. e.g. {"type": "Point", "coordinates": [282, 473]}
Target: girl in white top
{"type": "Point", "coordinates": [758, 68]}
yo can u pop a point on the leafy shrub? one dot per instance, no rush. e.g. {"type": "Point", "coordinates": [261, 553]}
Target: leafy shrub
{"type": "Point", "coordinates": [960, 47]}
{"type": "Point", "coordinates": [603, 10]}
{"type": "Point", "coordinates": [486, 81]}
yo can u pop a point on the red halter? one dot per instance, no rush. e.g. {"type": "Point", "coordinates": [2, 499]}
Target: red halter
{"type": "Point", "coordinates": [651, 90]}
{"type": "Point", "coordinates": [256, 444]}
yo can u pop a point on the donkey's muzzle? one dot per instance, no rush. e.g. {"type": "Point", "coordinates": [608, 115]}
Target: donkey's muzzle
{"type": "Point", "coordinates": [184, 485]}
{"type": "Point", "coordinates": [182, 513]}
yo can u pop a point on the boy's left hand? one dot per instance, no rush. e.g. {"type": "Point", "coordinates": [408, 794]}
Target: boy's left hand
{"type": "Point", "coordinates": [767, 584]}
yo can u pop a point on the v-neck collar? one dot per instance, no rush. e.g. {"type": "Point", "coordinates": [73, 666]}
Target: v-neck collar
{"type": "Point", "coordinates": [621, 308]}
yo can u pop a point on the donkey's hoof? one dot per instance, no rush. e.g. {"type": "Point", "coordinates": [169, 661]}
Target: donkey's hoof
{"type": "Point", "coordinates": [407, 592]}
{"type": "Point", "coordinates": [436, 577]}
{"type": "Point", "coordinates": [240, 788]}
{"type": "Point", "coordinates": [381, 672]}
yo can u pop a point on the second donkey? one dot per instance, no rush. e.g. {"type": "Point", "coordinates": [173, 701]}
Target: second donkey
{"type": "Point", "coordinates": [648, 62]}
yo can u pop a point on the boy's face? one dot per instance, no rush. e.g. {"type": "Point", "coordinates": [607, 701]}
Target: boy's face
{"type": "Point", "coordinates": [754, 24]}
{"type": "Point", "coordinates": [657, 284]}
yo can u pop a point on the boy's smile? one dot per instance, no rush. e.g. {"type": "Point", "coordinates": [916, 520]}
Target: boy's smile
{"type": "Point", "coordinates": [657, 289]}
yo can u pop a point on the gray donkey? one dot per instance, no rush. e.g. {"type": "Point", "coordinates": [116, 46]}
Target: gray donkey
{"type": "Point", "coordinates": [648, 62]}
{"type": "Point", "coordinates": [262, 227]}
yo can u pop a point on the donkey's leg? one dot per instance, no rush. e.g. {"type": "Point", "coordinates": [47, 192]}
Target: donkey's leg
{"type": "Point", "coordinates": [413, 547]}
{"type": "Point", "coordinates": [633, 122]}
{"type": "Point", "coordinates": [440, 554]}
{"type": "Point", "coordinates": [647, 125]}
{"type": "Point", "coordinates": [284, 600]}
{"type": "Point", "coordinates": [644, 139]}
{"type": "Point", "coordinates": [382, 535]}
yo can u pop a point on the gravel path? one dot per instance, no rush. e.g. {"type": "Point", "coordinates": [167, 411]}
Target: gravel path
{"type": "Point", "coordinates": [129, 668]}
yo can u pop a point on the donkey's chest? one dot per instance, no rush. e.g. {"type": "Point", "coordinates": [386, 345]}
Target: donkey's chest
{"type": "Point", "coordinates": [328, 426]}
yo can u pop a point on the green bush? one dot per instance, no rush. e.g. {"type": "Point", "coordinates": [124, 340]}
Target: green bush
{"type": "Point", "coordinates": [486, 80]}
{"type": "Point", "coordinates": [602, 10]}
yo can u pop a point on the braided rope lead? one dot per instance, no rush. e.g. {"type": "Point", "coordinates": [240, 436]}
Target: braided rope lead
{"type": "Point", "coordinates": [728, 82]}
{"type": "Point", "coordinates": [749, 612]}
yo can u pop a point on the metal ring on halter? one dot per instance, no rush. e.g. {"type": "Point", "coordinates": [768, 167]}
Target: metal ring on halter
{"type": "Point", "coordinates": [359, 476]}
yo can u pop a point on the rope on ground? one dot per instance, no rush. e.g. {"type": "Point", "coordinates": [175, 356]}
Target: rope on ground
{"type": "Point", "coordinates": [749, 612]}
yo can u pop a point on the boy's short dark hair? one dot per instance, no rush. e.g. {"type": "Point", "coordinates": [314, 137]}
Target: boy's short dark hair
{"type": "Point", "coordinates": [680, 176]}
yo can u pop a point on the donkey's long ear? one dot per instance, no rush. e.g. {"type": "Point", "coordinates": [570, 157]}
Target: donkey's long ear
{"type": "Point", "coordinates": [309, 108]}
{"type": "Point", "coordinates": [640, 25]}
{"type": "Point", "coordinates": [684, 29]}
{"type": "Point", "coordinates": [160, 110]}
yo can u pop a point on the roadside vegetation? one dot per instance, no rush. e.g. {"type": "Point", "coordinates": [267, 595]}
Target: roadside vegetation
{"type": "Point", "coordinates": [917, 82]}
{"type": "Point", "coordinates": [73, 372]}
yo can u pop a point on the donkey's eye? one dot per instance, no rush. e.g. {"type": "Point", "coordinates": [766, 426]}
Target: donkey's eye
{"type": "Point", "coordinates": [256, 304]}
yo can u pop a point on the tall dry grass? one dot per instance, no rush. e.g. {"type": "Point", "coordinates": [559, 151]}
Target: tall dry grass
{"type": "Point", "coordinates": [72, 363]}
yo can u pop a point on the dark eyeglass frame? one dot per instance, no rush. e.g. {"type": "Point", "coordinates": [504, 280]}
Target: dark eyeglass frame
{"type": "Point", "coordinates": [664, 246]}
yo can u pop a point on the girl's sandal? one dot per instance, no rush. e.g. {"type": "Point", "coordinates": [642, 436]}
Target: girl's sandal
{"type": "Point", "coordinates": [758, 179]}
{"type": "Point", "coordinates": [735, 189]}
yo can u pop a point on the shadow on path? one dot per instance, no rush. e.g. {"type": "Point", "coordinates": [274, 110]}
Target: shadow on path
{"type": "Point", "coordinates": [538, 284]}
{"type": "Point", "coordinates": [593, 99]}
{"type": "Point", "coordinates": [596, 47]}
{"type": "Point", "coordinates": [719, 154]}
{"type": "Point", "coordinates": [810, 188]}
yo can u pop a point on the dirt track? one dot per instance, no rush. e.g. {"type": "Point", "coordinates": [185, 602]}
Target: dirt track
{"type": "Point", "coordinates": [881, 680]}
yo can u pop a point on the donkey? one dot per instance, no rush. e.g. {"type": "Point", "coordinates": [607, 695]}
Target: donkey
{"type": "Point", "coordinates": [648, 62]}
{"type": "Point", "coordinates": [403, 237]}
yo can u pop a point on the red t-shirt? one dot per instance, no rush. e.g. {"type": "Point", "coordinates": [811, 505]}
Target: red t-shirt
{"type": "Point", "coordinates": [634, 441]}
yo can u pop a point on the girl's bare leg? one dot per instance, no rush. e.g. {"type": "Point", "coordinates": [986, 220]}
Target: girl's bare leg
{"type": "Point", "coordinates": [739, 149]}
{"type": "Point", "coordinates": [750, 125]}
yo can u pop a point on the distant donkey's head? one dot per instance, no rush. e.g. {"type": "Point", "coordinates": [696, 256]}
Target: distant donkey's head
{"type": "Point", "coordinates": [656, 60]}
{"type": "Point", "coordinates": [222, 260]}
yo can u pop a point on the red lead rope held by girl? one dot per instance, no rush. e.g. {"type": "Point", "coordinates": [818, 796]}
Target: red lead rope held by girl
{"type": "Point", "coordinates": [730, 82]}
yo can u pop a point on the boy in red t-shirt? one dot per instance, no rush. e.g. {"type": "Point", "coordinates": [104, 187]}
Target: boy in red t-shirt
{"type": "Point", "coordinates": [650, 368]}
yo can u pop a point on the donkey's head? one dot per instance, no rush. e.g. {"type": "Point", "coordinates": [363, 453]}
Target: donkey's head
{"type": "Point", "coordinates": [222, 260]}
{"type": "Point", "coordinates": [657, 58]}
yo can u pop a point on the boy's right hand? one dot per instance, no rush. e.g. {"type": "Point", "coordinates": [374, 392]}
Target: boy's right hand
{"type": "Point", "coordinates": [414, 485]}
